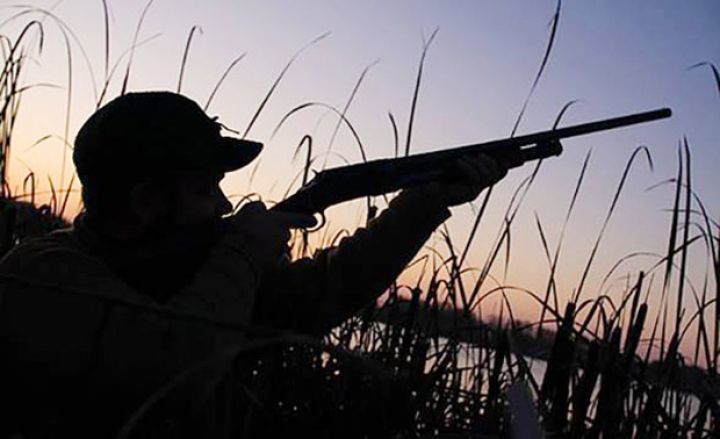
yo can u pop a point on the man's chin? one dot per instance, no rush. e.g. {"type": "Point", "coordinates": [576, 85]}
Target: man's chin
{"type": "Point", "coordinates": [199, 234]}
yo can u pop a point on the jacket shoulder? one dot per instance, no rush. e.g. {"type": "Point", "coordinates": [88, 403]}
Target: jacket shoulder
{"type": "Point", "coordinates": [57, 258]}
{"type": "Point", "coordinates": [56, 245]}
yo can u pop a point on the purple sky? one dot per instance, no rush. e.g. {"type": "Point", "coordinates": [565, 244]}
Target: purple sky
{"type": "Point", "coordinates": [615, 57]}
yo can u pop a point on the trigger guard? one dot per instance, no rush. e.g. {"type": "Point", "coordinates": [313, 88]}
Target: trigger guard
{"type": "Point", "coordinates": [320, 225]}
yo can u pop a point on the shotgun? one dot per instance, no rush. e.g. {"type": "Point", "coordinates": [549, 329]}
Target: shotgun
{"type": "Point", "coordinates": [377, 177]}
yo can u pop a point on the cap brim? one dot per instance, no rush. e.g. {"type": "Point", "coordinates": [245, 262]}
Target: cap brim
{"type": "Point", "coordinates": [236, 153]}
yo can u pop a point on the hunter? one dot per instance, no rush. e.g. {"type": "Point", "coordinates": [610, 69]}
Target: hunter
{"type": "Point", "coordinates": [80, 308]}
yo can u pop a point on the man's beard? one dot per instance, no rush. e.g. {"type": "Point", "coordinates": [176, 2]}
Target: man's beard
{"type": "Point", "coordinates": [166, 257]}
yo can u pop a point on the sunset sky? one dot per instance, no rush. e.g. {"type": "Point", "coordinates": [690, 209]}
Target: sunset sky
{"type": "Point", "coordinates": [614, 57]}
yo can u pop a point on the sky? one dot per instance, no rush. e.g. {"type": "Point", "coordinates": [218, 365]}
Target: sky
{"type": "Point", "coordinates": [614, 57]}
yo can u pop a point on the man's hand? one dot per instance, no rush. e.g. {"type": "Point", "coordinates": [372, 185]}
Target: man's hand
{"type": "Point", "coordinates": [470, 176]}
{"type": "Point", "coordinates": [266, 232]}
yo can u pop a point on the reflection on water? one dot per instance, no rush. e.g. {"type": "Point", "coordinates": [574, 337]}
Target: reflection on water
{"type": "Point", "coordinates": [467, 357]}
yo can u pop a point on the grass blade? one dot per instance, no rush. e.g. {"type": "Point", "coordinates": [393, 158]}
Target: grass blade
{"type": "Point", "coordinates": [712, 67]}
{"type": "Point", "coordinates": [277, 82]}
{"type": "Point", "coordinates": [183, 63]}
{"type": "Point", "coordinates": [346, 108]}
{"type": "Point", "coordinates": [551, 42]}
{"type": "Point", "coordinates": [416, 92]}
{"type": "Point", "coordinates": [222, 79]}
{"type": "Point", "coordinates": [613, 205]}
{"type": "Point", "coordinates": [126, 79]}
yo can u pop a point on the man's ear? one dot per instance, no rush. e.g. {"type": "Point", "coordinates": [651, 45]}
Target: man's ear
{"type": "Point", "coordinates": [148, 202]}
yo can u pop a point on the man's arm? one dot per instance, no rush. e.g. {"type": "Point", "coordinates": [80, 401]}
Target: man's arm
{"type": "Point", "coordinates": [314, 295]}
{"type": "Point", "coordinates": [226, 285]}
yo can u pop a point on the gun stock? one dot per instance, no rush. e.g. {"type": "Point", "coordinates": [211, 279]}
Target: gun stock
{"type": "Point", "coordinates": [377, 177]}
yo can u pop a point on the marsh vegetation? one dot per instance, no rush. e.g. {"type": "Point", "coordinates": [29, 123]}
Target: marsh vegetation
{"type": "Point", "coordinates": [426, 361]}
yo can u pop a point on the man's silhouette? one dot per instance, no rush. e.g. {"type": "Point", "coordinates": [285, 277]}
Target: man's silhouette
{"type": "Point", "coordinates": [79, 324]}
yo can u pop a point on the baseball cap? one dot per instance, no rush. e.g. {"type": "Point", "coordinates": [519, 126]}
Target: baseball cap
{"type": "Point", "coordinates": [155, 133]}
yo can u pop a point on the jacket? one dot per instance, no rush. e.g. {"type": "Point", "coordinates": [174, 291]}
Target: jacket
{"type": "Point", "coordinates": [74, 334]}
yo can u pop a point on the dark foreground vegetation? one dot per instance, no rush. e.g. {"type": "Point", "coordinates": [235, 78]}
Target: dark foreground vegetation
{"type": "Point", "coordinates": [423, 364]}
{"type": "Point", "coordinates": [528, 342]}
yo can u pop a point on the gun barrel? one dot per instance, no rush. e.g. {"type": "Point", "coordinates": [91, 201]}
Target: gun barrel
{"type": "Point", "coordinates": [601, 125]}
{"type": "Point", "coordinates": [544, 137]}
{"type": "Point", "coordinates": [571, 131]}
